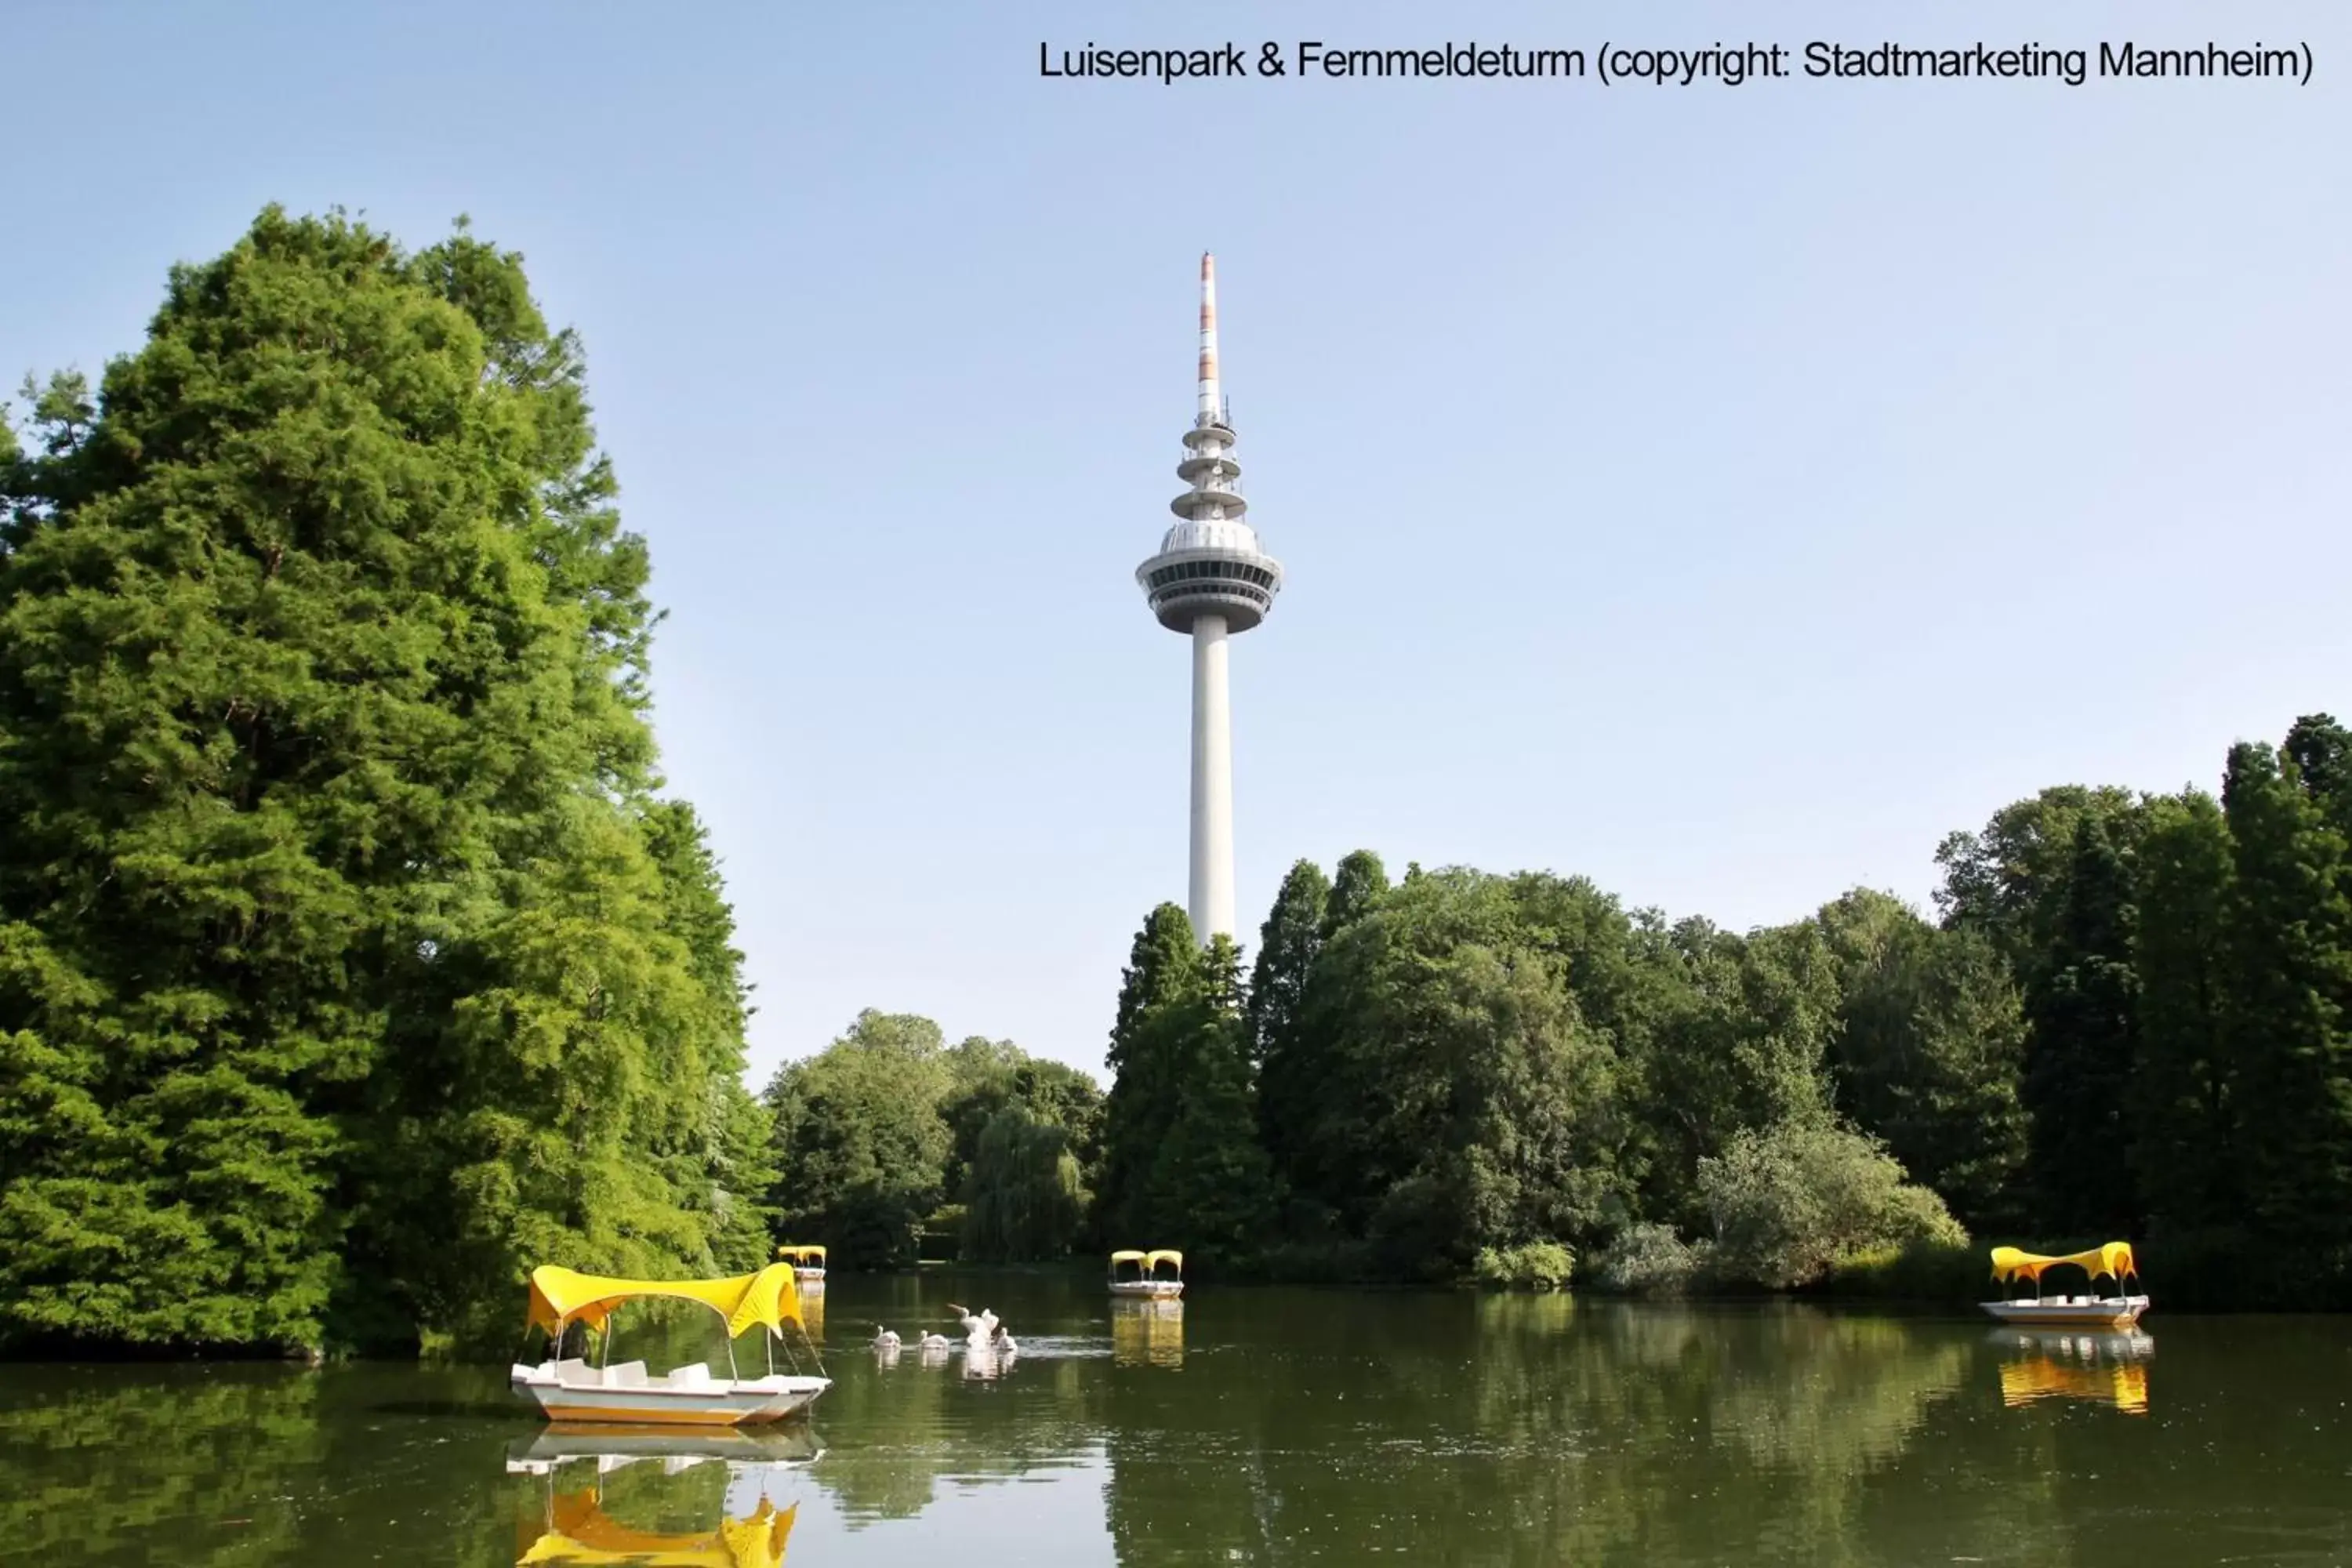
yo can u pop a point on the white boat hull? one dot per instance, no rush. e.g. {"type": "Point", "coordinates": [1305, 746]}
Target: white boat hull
{"type": "Point", "coordinates": [1163, 1290]}
{"type": "Point", "coordinates": [575, 1393]}
{"type": "Point", "coordinates": [2110, 1312]}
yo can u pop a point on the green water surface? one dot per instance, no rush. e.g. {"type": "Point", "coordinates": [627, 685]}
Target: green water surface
{"type": "Point", "coordinates": [1259, 1427]}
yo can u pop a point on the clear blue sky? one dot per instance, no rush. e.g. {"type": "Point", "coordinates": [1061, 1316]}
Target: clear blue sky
{"type": "Point", "coordinates": [1723, 493]}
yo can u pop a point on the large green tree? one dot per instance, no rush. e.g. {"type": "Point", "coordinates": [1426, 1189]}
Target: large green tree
{"type": "Point", "coordinates": [1927, 1053]}
{"type": "Point", "coordinates": [1464, 1104]}
{"type": "Point", "coordinates": [2186, 1143]}
{"type": "Point", "coordinates": [1025, 1194]}
{"type": "Point", "coordinates": [1210, 1186]}
{"type": "Point", "coordinates": [862, 1149]}
{"type": "Point", "coordinates": [1288, 1067]}
{"type": "Point", "coordinates": [340, 972]}
{"type": "Point", "coordinates": [2008, 880]}
{"type": "Point", "coordinates": [2082, 1003]}
{"type": "Point", "coordinates": [1741, 1044]}
{"type": "Point", "coordinates": [1025, 1151]}
{"type": "Point", "coordinates": [2290, 981]}
{"type": "Point", "coordinates": [1147, 1058]}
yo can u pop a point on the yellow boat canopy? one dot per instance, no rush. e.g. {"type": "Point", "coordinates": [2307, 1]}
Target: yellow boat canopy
{"type": "Point", "coordinates": [815, 1254]}
{"type": "Point", "coordinates": [1165, 1255]}
{"type": "Point", "coordinates": [558, 1296]}
{"type": "Point", "coordinates": [580, 1532]}
{"type": "Point", "coordinates": [2113, 1259]}
{"type": "Point", "coordinates": [1129, 1256]}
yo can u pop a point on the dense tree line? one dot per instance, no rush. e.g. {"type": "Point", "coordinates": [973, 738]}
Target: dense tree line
{"type": "Point", "coordinates": [889, 1130]}
{"type": "Point", "coordinates": [352, 960]}
{"type": "Point", "coordinates": [2133, 1018]}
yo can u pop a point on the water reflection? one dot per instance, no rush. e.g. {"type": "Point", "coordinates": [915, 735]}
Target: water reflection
{"type": "Point", "coordinates": [737, 1513]}
{"type": "Point", "coordinates": [2108, 1369]}
{"type": "Point", "coordinates": [812, 1294]}
{"type": "Point", "coordinates": [1147, 1331]}
{"type": "Point", "coordinates": [1306, 1426]}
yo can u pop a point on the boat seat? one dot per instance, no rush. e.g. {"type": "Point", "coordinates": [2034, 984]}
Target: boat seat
{"type": "Point", "coordinates": [693, 1375]}
{"type": "Point", "coordinates": [573, 1370]}
{"type": "Point", "coordinates": [628, 1374]}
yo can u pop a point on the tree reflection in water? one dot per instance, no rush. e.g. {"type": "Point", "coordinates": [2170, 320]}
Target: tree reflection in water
{"type": "Point", "coordinates": [1271, 1426]}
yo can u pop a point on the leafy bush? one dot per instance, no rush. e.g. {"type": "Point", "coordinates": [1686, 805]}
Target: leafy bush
{"type": "Point", "coordinates": [1649, 1259]}
{"type": "Point", "coordinates": [1789, 1200]}
{"type": "Point", "coordinates": [1537, 1266]}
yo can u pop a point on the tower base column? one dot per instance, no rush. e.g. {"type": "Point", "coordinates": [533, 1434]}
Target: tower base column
{"type": "Point", "coordinates": [1212, 892]}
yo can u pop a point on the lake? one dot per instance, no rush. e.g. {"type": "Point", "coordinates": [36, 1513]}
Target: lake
{"type": "Point", "coordinates": [1254, 1426]}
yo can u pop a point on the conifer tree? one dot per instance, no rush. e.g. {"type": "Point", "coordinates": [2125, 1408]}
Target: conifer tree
{"type": "Point", "coordinates": [2186, 1146]}
{"type": "Point", "coordinates": [1146, 1059]}
{"type": "Point", "coordinates": [2082, 1043]}
{"type": "Point", "coordinates": [1211, 1186]}
{"type": "Point", "coordinates": [340, 976]}
{"type": "Point", "coordinates": [2289, 972]}
{"type": "Point", "coordinates": [1287, 1069]}
{"type": "Point", "coordinates": [1357, 884]}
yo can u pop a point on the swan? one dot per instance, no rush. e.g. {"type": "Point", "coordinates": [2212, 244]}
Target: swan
{"type": "Point", "coordinates": [934, 1341]}
{"type": "Point", "coordinates": [975, 1328]}
{"type": "Point", "coordinates": [886, 1340]}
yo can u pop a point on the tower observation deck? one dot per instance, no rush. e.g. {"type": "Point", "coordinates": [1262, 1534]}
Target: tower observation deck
{"type": "Point", "coordinates": [1211, 580]}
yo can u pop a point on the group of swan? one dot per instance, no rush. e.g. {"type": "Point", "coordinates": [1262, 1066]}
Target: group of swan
{"type": "Point", "coordinates": [982, 1333]}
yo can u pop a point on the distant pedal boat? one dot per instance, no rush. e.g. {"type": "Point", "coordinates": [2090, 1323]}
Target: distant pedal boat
{"type": "Point", "coordinates": [2112, 1261]}
{"type": "Point", "coordinates": [1146, 1279]}
{"type": "Point", "coordinates": [808, 1263]}
{"type": "Point", "coordinates": [573, 1391]}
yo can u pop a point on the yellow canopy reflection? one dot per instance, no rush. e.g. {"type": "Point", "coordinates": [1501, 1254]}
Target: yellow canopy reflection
{"type": "Point", "coordinates": [1147, 1331]}
{"type": "Point", "coordinates": [561, 1295]}
{"type": "Point", "coordinates": [580, 1531]}
{"type": "Point", "coordinates": [2122, 1385]}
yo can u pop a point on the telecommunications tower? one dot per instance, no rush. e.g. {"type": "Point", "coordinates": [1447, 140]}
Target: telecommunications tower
{"type": "Point", "coordinates": [1211, 581]}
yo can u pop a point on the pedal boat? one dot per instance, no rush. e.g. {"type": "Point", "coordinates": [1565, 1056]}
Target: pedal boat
{"type": "Point", "coordinates": [808, 1263]}
{"type": "Point", "coordinates": [573, 1392]}
{"type": "Point", "coordinates": [1146, 1279]}
{"type": "Point", "coordinates": [2110, 1261]}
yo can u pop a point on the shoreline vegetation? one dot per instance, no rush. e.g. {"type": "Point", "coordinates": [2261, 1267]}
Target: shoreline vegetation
{"type": "Point", "coordinates": [355, 957]}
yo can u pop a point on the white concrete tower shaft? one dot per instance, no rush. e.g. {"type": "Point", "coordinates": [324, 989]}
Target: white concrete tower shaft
{"type": "Point", "coordinates": [1212, 581]}
{"type": "Point", "coordinates": [1210, 897]}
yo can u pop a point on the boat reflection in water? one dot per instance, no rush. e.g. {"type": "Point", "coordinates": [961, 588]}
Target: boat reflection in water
{"type": "Point", "coordinates": [750, 1526]}
{"type": "Point", "coordinates": [2103, 1368]}
{"type": "Point", "coordinates": [1147, 1332]}
{"type": "Point", "coordinates": [813, 1310]}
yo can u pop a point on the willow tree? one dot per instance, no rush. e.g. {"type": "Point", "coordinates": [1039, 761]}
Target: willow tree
{"type": "Point", "coordinates": [340, 970]}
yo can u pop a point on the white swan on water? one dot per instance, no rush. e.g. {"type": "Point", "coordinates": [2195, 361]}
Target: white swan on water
{"type": "Point", "coordinates": [887, 1340]}
{"type": "Point", "coordinates": [976, 1330]}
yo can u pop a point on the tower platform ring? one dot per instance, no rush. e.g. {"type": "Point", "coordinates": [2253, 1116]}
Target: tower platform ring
{"type": "Point", "coordinates": [1239, 585]}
